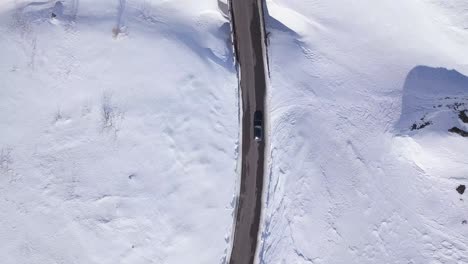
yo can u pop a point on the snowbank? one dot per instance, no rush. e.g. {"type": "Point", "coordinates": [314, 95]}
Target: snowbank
{"type": "Point", "coordinates": [118, 133]}
{"type": "Point", "coordinates": [351, 181]}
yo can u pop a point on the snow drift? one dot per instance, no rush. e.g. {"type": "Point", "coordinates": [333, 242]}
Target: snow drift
{"type": "Point", "coordinates": [351, 180]}
{"type": "Point", "coordinates": [118, 132]}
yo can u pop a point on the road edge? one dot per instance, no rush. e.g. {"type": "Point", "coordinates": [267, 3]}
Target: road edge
{"type": "Point", "coordinates": [267, 151]}
{"type": "Point", "coordinates": [239, 140]}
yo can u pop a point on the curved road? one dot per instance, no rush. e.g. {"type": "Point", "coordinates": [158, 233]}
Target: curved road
{"type": "Point", "coordinates": [248, 41]}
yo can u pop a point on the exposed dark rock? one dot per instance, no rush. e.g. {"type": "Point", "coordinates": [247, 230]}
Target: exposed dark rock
{"type": "Point", "coordinates": [461, 189]}
{"type": "Point", "coordinates": [458, 131]}
{"type": "Point", "coordinates": [463, 117]}
{"type": "Point", "coordinates": [456, 106]}
{"type": "Point", "coordinates": [420, 126]}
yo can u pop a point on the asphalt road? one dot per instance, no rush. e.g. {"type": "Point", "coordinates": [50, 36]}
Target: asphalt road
{"type": "Point", "coordinates": [248, 41]}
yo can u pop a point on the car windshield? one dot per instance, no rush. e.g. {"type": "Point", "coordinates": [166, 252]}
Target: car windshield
{"type": "Point", "coordinates": [258, 116]}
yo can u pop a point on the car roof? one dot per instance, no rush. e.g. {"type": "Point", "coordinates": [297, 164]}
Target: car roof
{"type": "Point", "coordinates": [258, 114]}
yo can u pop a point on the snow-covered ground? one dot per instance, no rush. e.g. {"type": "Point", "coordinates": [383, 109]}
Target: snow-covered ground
{"type": "Point", "coordinates": [364, 168]}
{"type": "Point", "coordinates": [118, 132]}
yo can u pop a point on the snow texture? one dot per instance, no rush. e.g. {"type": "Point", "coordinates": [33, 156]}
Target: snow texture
{"type": "Point", "coordinates": [118, 132]}
{"type": "Point", "coordinates": [363, 166]}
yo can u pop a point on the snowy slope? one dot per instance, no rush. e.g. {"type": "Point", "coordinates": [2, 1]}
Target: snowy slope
{"type": "Point", "coordinates": [351, 180]}
{"type": "Point", "coordinates": [118, 132]}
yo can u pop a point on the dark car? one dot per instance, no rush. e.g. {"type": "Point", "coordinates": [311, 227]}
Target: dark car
{"type": "Point", "coordinates": [258, 126]}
